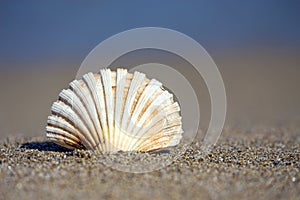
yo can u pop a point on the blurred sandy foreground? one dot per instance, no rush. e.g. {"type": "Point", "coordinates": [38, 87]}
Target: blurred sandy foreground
{"type": "Point", "coordinates": [263, 90]}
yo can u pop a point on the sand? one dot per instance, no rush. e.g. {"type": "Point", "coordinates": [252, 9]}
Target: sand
{"type": "Point", "coordinates": [256, 164]}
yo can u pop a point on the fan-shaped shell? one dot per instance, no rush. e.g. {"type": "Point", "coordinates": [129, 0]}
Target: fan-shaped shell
{"type": "Point", "coordinates": [111, 111]}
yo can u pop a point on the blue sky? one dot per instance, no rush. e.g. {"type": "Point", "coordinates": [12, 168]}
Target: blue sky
{"type": "Point", "coordinates": [45, 30]}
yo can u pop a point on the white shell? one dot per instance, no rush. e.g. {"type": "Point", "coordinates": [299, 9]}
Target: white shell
{"type": "Point", "coordinates": [111, 111]}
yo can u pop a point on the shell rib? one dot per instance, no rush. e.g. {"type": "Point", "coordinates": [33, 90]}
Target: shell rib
{"type": "Point", "coordinates": [112, 111]}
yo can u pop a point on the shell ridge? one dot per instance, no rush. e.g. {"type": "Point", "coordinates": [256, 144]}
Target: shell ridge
{"type": "Point", "coordinates": [171, 131]}
{"type": "Point", "coordinates": [109, 100]}
{"type": "Point", "coordinates": [84, 96]}
{"type": "Point", "coordinates": [121, 82]}
{"type": "Point", "coordinates": [143, 99]}
{"type": "Point", "coordinates": [140, 108]}
{"type": "Point", "coordinates": [172, 126]}
{"type": "Point", "coordinates": [140, 131]}
{"type": "Point", "coordinates": [74, 101]}
{"type": "Point", "coordinates": [63, 110]}
{"type": "Point", "coordinates": [62, 141]}
{"type": "Point", "coordinates": [65, 134]}
{"type": "Point", "coordinates": [151, 131]}
{"type": "Point", "coordinates": [77, 120]}
{"type": "Point", "coordinates": [134, 85]}
{"type": "Point", "coordinates": [62, 124]}
{"type": "Point", "coordinates": [101, 106]}
{"type": "Point", "coordinates": [92, 87]}
{"type": "Point", "coordinates": [161, 141]}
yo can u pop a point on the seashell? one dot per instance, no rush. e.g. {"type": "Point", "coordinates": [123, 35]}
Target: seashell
{"type": "Point", "coordinates": [111, 111]}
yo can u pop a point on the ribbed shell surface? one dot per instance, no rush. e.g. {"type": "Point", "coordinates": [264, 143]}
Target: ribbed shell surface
{"type": "Point", "coordinates": [111, 111]}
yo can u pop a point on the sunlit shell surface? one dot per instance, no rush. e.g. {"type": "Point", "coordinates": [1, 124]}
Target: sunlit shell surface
{"type": "Point", "coordinates": [111, 111]}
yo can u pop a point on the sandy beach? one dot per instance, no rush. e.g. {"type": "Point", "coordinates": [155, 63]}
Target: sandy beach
{"type": "Point", "coordinates": [258, 164]}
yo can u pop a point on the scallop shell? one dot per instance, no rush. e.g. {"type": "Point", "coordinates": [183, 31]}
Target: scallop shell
{"type": "Point", "coordinates": [111, 111]}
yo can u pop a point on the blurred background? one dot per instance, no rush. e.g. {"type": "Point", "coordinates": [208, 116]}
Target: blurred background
{"type": "Point", "coordinates": [255, 44]}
